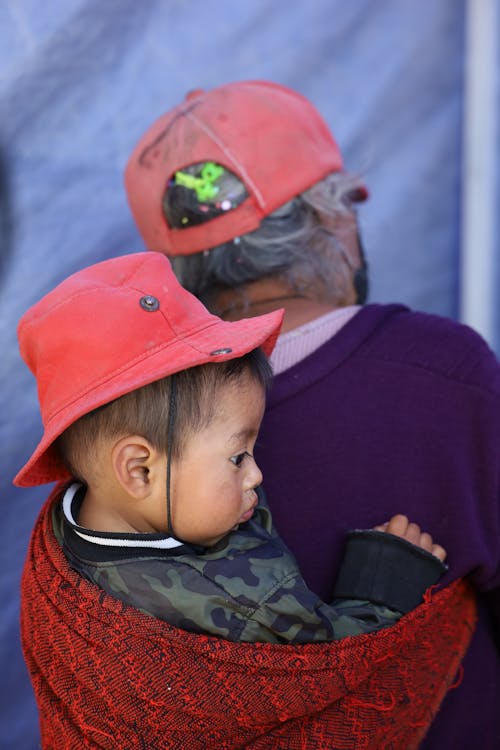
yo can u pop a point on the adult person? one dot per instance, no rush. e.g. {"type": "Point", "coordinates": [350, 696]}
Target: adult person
{"type": "Point", "coordinates": [373, 407]}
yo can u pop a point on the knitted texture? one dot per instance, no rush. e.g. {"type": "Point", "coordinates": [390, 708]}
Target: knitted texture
{"type": "Point", "coordinates": [108, 676]}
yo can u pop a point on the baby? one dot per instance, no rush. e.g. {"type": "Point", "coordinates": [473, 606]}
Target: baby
{"type": "Point", "coordinates": [151, 408]}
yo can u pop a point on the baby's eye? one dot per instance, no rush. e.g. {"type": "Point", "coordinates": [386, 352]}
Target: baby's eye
{"type": "Point", "coordinates": [238, 460]}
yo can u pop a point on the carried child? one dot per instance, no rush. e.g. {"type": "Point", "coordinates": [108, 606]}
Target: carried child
{"type": "Point", "coordinates": [151, 408]}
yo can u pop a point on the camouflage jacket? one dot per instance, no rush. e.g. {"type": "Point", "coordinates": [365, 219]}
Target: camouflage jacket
{"type": "Point", "coordinates": [246, 588]}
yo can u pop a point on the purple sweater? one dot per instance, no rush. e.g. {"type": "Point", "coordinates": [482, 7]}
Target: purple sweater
{"type": "Point", "coordinates": [398, 412]}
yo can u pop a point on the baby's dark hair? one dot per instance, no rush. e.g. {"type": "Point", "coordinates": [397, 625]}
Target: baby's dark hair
{"type": "Point", "coordinates": [145, 411]}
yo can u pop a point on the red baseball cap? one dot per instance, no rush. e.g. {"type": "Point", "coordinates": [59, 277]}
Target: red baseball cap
{"type": "Point", "coordinates": [115, 327]}
{"type": "Point", "coordinates": [270, 137]}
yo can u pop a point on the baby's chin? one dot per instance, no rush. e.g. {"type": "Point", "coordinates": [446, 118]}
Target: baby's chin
{"type": "Point", "coordinates": [215, 540]}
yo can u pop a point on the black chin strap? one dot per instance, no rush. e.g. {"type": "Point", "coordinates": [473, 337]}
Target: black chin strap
{"type": "Point", "coordinates": [170, 433]}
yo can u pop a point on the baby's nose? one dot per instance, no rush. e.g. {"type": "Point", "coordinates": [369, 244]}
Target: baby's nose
{"type": "Point", "coordinates": [254, 476]}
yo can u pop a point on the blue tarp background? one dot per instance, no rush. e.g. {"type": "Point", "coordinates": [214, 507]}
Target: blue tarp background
{"type": "Point", "coordinates": [81, 79]}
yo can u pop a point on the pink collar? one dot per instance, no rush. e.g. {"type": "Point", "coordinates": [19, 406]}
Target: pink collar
{"type": "Point", "coordinates": [296, 345]}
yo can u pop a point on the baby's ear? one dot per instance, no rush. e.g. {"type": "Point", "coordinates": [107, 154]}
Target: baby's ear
{"type": "Point", "coordinates": [134, 460]}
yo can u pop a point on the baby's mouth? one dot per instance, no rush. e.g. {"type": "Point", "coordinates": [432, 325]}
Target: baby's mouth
{"type": "Point", "coordinates": [248, 513]}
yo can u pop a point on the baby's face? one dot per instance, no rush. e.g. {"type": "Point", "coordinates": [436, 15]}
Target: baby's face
{"type": "Point", "coordinates": [213, 483]}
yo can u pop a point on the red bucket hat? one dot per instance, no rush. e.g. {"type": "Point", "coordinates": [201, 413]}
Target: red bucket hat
{"type": "Point", "coordinates": [270, 137]}
{"type": "Point", "coordinates": [115, 327]}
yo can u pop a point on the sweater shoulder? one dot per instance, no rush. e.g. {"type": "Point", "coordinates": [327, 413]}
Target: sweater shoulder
{"type": "Point", "coordinates": [437, 344]}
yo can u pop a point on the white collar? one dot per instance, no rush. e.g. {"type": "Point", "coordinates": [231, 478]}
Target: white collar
{"type": "Point", "coordinates": [108, 539]}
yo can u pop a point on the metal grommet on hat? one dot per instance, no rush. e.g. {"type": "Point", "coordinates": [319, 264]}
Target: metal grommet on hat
{"type": "Point", "coordinates": [149, 303]}
{"type": "Point", "coordinates": [83, 359]}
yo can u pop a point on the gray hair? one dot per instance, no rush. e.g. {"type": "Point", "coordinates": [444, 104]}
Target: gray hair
{"type": "Point", "coordinates": [291, 245]}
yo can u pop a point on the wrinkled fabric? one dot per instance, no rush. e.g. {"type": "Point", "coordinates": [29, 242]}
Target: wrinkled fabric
{"type": "Point", "coordinates": [398, 413]}
{"type": "Point", "coordinates": [245, 588]}
{"type": "Point", "coordinates": [106, 675]}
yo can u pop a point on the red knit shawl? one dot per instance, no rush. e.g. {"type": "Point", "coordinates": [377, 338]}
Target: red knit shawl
{"type": "Point", "coordinates": [107, 676]}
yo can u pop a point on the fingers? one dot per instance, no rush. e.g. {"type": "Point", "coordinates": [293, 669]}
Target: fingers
{"type": "Point", "coordinates": [426, 542]}
{"type": "Point", "coordinates": [399, 525]}
{"type": "Point", "coordinates": [439, 552]}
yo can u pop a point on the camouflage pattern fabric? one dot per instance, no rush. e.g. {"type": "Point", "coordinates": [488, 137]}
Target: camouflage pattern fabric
{"type": "Point", "coordinates": [246, 588]}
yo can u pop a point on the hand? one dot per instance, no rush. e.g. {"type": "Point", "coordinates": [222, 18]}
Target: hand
{"type": "Point", "coordinates": [400, 526]}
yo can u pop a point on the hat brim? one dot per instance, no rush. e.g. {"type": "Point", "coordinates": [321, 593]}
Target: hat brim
{"type": "Point", "coordinates": [219, 341]}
